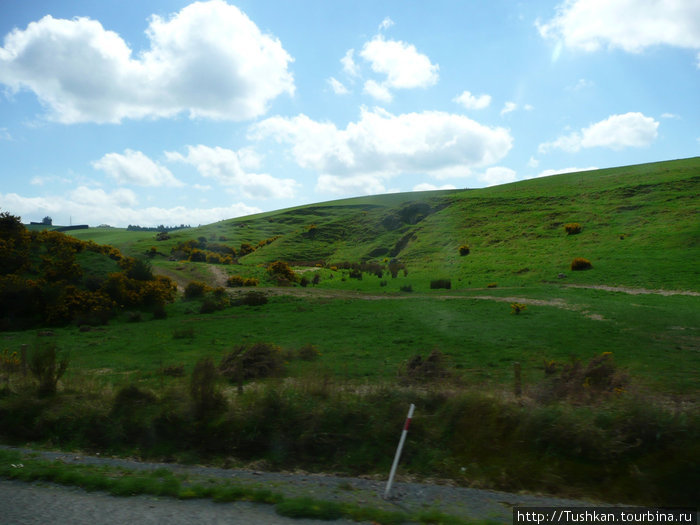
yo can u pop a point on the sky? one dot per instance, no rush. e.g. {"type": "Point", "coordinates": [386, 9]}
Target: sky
{"type": "Point", "coordinates": [171, 112]}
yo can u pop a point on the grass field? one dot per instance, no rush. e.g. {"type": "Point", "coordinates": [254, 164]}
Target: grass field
{"type": "Point", "coordinates": [639, 304]}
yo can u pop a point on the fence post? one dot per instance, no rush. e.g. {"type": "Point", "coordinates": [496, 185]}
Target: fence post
{"type": "Point", "coordinates": [398, 451]}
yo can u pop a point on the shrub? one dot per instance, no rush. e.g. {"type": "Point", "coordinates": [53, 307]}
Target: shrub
{"type": "Point", "coordinates": [235, 281]}
{"type": "Point", "coordinates": [464, 249]}
{"type": "Point", "coordinates": [356, 274]}
{"type": "Point", "coordinates": [253, 299]}
{"type": "Point", "coordinates": [162, 236]}
{"type": "Point", "coordinates": [407, 288]}
{"type": "Point", "coordinates": [250, 281]}
{"type": "Point", "coordinates": [281, 270]}
{"type": "Point", "coordinates": [516, 308]}
{"type": "Point", "coordinates": [205, 396]}
{"type": "Point", "coordinates": [195, 289]}
{"type": "Point", "coordinates": [492, 285]}
{"type": "Point", "coordinates": [304, 281]}
{"type": "Point", "coordinates": [440, 283]}
{"type": "Point", "coordinates": [581, 382]}
{"type": "Point", "coordinates": [47, 363]}
{"type": "Point", "coordinates": [316, 279]}
{"type": "Point", "coordinates": [579, 263]}
{"type": "Point", "coordinates": [429, 369]}
{"type": "Point", "coordinates": [252, 362]}
{"type": "Point", "coordinates": [308, 352]}
{"type": "Point", "coordinates": [573, 228]}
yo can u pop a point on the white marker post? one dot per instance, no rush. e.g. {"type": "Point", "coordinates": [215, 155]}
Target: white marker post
{"type": "Point", "coordinates": [398, 451]}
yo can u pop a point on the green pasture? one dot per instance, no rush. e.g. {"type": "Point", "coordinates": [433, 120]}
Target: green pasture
{"type": "Point", "coordinates": [655, 338]}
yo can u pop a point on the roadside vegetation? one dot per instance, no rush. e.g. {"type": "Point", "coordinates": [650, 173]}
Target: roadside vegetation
{"type": "Point", "coordinates": [297, 339]}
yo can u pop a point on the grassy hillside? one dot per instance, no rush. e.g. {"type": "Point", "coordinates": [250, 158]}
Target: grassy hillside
{"type": "Point", "coordinates": [608, 356]}
{"type": "Point", "coordinates": [640, 228]}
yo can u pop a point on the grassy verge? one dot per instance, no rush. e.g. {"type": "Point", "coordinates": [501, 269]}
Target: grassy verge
{"type": "Point", "coordinates": [164, 483]}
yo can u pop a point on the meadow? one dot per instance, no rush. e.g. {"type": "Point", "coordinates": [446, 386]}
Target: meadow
{"type": "Point", "coordinates": [429, 298]}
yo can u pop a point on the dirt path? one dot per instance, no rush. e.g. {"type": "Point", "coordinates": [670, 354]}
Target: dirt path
{"type": "Point", "coordinates": [407, 496]}
{"type": "Point", "coordinates": [633, 291]}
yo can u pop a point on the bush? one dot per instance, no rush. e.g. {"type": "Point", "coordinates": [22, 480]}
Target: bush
{"type": "Point", "coordinates": [308, 353]}
{"type": "Point", "coordinates": [253, 299]}
{"type": "Point", "coordinates": [573, 228]}
{"type": "Point", "coordinates": [579, 263]}
{"type": "Point", "coordinates": [440, 283]}
{"type": "Point", "coordinates": [195, 289]}
{"type": "Point", "coordinates": [464, 250]}
{"type": "Point", "coordinates": [581, 382]}
{"type": "Point", "coordinates": [252, 362]}
{"type": "Point", "coordinates": [47, 363]}
{"type": "Point", "coordinates": [205, 396]}
{"type": "Point", "coordinates": [516, 308]}
{"type": "Point", "coordinates": [173, 370]}
{"type": "Point", "coordinates": [282, 270]}
{"type": "Point", "coordinates": [407, 288]}
{"type": "Point", "coordinates": [422, 370]}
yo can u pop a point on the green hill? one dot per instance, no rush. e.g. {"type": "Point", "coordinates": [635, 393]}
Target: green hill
{"type": "Point", "coordinates": [639, 228]}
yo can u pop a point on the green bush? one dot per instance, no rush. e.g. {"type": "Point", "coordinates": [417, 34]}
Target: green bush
{"type": "Point", "coordinates": [573, 228]}
{"type": "Point", "coordinates": [47, 363]}
{"type": "Point", "coordinates": [440, 283]}
{"type": "Point", "coordinates": [195, 289]}
{"type": "Point", "coordinates": [206, 398]}
{"type": "Point", "coordinates": [464, 250]}
{"type": "Point", "coordinates": [579, 263]}
{"type": "Point", "coordinates": [258, 360]}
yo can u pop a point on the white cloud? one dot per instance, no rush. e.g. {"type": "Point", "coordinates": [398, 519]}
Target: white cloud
{"type": "Point", "coordinates": [616, 132]}
{"type": "Point", "coordinates": [95, 206]}
{"type": "Point", "coordinates": [378, 91]}
{"type": "Point", "coordinates": [498, 175]}
{"type": "Point", "coordinates": [581, 85]}
{"type": "Point", "coordinates": [337, 86]}
{"type": "Point", "coordinates": [672, 116]}
{"type": "Point", "coordinates": [386, 24]}
{"type": "Point", "coordinates": [384, 145]}
{"type": "Point", "coordinates": [470, 101]}
{"type": "Point", "coordinates": [5, 134]}
{"type": "Point", "coordinates": [626, 24]}
{"type": "Point", "coordinates": [209, 60]}
{"type": "Point", "coordinates": [133, 167]}
{"type": "Point", "coordinates": [508, 107]}
{"type": "Point", "coordinates": [533, 162]}
{"type": "Point", "coordinates": [353, 185]}
{"type": "Point", "coordinates": [231, 169]}
{"type": "Point", "coordinates": [547, 173]}
{"type": "Point", "coordinates": [403, 65]}
{"type": "Point", "coordinates": [425, 186]}
{"type": "Point", "coordinates": [349, 65]}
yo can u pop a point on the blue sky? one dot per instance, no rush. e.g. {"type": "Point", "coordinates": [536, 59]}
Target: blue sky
{"type": "Point", "coordinates": [169, 112]}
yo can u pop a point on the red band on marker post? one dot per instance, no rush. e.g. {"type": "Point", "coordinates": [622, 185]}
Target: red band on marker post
{"type": "Point", "coordinates": [408, 424]}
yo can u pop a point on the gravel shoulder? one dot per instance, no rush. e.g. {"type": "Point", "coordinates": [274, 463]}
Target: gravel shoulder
{"type": "Point", "coordinates": [406, 496]}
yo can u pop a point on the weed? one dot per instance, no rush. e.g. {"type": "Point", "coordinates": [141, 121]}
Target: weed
{"type": "Point", "coordinates": [516, 308]}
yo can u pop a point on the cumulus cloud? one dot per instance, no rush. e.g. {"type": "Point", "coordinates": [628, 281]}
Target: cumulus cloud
{"type": "Point", "coordinates": [616, 132]}
{"type": "Point", "coordinates": [547, 173]}
{"type": "Point", "coordinates": [352, 185]}
{"type": "Point", "coordinates": [470, 101]}
{"type": "Point", "coordinates": [378, 91]}
{"type": "Point", "coordinates": [498, 175]}
{"type": "Point", "coordinates": [118, 208]}
{"type": "Point", "coordinates": [231, 168]}
{"type": "Point", "coordinates": [383, 145]}
{"type": "Point", "coordinates": [425, 186]}
{"type": "Point", "coordinates": [209, 60]}
{"type": "Point", "coordinates": [625, 24]}
{"type": "Point", "coordinates": [337, 86]}
{"type": "Point", "coordinates": [133, 167]}
{"type": "Point", "coordinates": [401, 63]}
